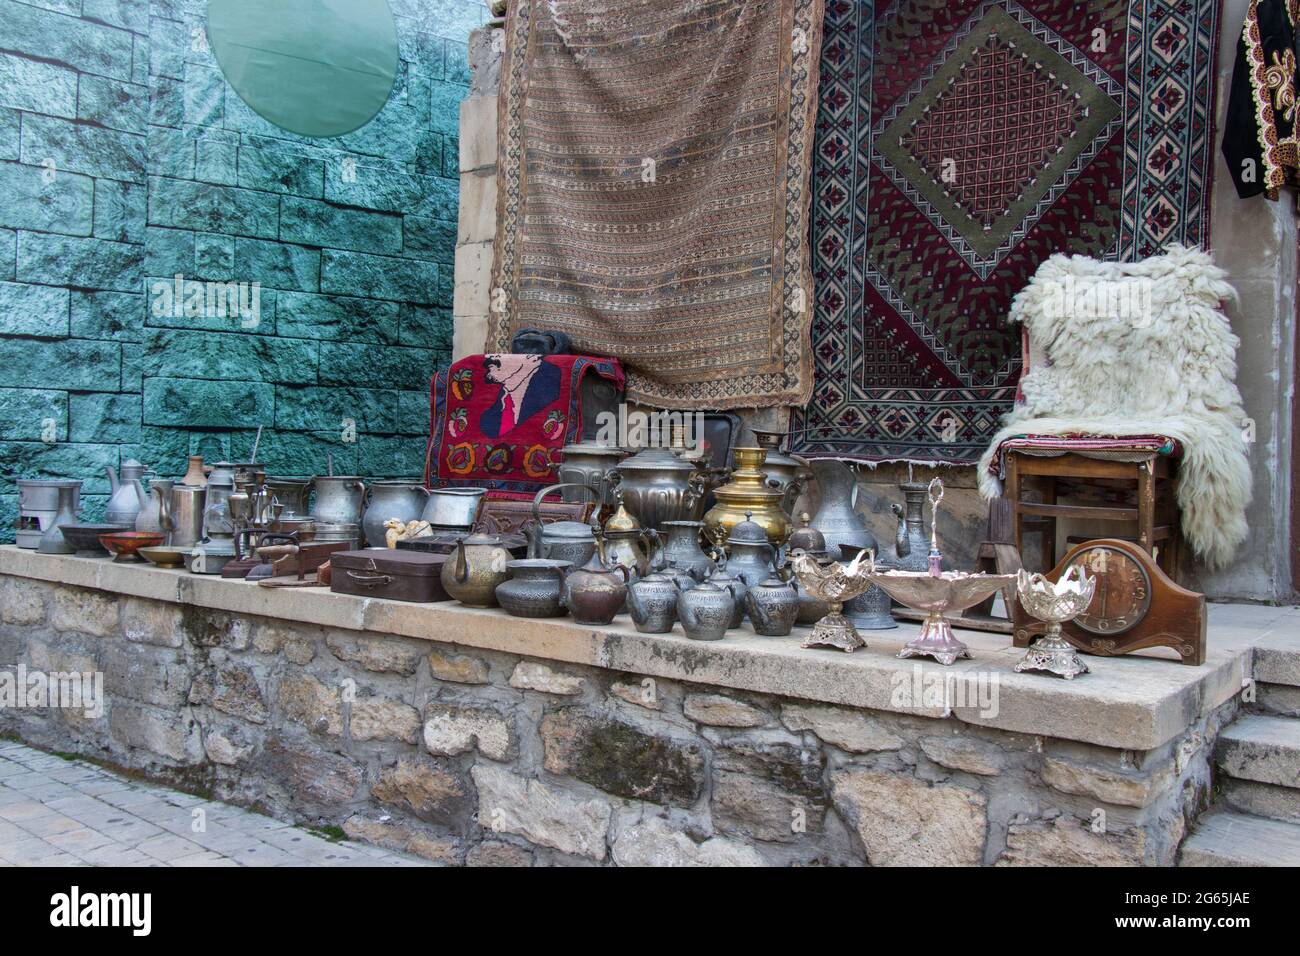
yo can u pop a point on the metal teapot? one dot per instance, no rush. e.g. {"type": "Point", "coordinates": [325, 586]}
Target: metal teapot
{"type": "Point", "coordinates": [773, 606]}
{"type": "Point", "coordinates": [479, 565]}
{"type": "Point", "coordinates": [572, 541]}
{"type": "Point", "coordinates": [155, 506]}
{"type": "Point", "coordinates": [126, 500]}
{"type": "Point", "coordinates": [705, 612]}
{"type": "Point", "coordinates": [596, 592]}
{"type": "Point", "coordinates": [652, 602]}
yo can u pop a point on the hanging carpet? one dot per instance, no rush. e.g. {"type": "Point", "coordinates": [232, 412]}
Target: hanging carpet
{"type": "Point", "coordinates": [958, 145]}
{"type": "Point", "coordinates": [653, 191]}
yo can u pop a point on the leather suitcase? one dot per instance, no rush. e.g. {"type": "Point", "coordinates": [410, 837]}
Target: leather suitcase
{"type": "Point", "coordinates": [387, 573]}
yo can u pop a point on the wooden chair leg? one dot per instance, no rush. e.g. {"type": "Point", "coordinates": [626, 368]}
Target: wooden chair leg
{"type": "Point", "coordinates": [1146, 503]}
{"type": "Point", "coordinates": [1012, 493]}
{"type": "Point", "coordinates": [1049, 531]}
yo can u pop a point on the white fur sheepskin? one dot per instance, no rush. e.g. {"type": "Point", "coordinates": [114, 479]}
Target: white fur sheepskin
{"type": "Point", "coordinates": [1166, 367]}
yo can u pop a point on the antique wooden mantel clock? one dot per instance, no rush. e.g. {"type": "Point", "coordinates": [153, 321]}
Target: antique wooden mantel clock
{"type": "Point", "coordinates": [1136, 605]}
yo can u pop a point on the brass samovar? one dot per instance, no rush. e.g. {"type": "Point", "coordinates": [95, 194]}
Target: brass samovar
{"type": "Point", "coordinates": [749, 491]}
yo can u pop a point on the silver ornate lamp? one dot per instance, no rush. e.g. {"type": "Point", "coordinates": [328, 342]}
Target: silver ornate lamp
{"type": "Point", "coordinates": [1055, 603]}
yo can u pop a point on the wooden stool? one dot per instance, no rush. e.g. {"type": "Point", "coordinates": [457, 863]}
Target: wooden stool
{"type": "Point", "coordinates": [1155, 509]}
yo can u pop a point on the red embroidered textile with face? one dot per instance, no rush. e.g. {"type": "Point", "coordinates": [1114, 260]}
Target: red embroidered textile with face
{"type": "Point", "coordinates": [499, 420]}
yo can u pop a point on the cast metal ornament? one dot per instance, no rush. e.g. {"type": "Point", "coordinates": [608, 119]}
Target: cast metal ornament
{"type": "Point", "coordinates": [1055, 603]}
{"type": "Point", "coordinates": [937, 593]}
{"type": "Point", "coordinates": [834, 583]}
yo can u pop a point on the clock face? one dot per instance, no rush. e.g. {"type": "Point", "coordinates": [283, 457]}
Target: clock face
{"type": "Point", "coordinates": [1123, 594]}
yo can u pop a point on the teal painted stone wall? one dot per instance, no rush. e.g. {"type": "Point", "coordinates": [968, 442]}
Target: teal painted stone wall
{"type": "Point", "coordinates": [127, 159]}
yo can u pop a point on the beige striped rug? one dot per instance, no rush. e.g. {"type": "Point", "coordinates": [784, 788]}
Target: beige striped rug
{"type": "Point", "coordinates": [653, 178]}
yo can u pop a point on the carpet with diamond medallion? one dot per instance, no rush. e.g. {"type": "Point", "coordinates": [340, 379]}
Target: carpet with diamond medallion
{"type": "Point", "coordinates": [958, 145]}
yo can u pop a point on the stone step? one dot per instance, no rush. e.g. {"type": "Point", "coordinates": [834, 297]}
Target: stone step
{"type": "Point", "coordinates": [1260, 799]}
{"type": "Point", "coordinates": [1261, 748]}
{"type": "Point", "coordinates": [1280, 700]}
{"type": "Point", "coordinates": [1277, 661]}
{"type": "Point", "coordinates": [1226, 838]}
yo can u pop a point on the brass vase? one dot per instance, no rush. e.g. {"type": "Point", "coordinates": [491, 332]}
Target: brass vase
{"type": "Point", "coordinates": [749, 491]}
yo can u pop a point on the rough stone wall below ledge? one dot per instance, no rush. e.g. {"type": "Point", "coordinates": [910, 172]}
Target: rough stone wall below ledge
{"type": "Point", "coordinates": [498, 759]}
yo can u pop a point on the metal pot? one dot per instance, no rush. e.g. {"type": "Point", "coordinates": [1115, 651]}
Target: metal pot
{"type": "Point", "coordinates": [773, 606]}
{"type": "Point", "coordinates": [595, 592]}
{"type": "Point", "coordinates": [453, 507]}
{"type": "Point", "coordinates": [292, 493]}
{"type": "Point", "coordinates": [403, 500]}
{"type": "Point", "coordinates": [155, 506]}
{"type": "Point", "coordinates": [572, 541]}
{"type": "Point", "coordinates": [659, 487]}
{"type": "Point", "coordinates": [837, 518]}
{"type": "Point", "coordinates": [338, 499]}
{"type": "Point", "coordinates": [681, 548]}
{"type": "Point", "coordinates": [124, 504]}
{"type": "Point", "coordinates": [53, 541]}
{"type": "Point", "coordinates": [535, 588]}
{"type": "Point", "coordinates": [186, 507]}
{"type": "Point", "coordinates": [789, 473]}
{"type": "Point", "coordinates": [588, 465]}
{"type": "Point", "coordinates": [209, 557]}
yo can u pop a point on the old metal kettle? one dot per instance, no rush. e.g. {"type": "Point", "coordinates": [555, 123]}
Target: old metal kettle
{"type": "Point", "coordinates": [773, 605]}
{"type": "Point", "coordinates": [155, 505]}
{"type": "Point", "coordinates": [652, 602]}
{"type": "Point", "coordinates": [479, 565]}
{"type": "Point", "coordinates": [596, 592]}
{"type": "Point", "coordinates": [126, 500]}
{"type": "Point", "coordinates": [705, 612]}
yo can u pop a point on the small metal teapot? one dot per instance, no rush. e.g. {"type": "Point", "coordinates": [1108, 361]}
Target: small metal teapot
{"type": "Point", "coordinates": [479, 565]}
{"type": "Point", "coordinates": [773, 606]}
{"type": "Point", "coordinates": [705, 612]}
{"type": "Point", "coordinates": [652, 602]}
{"type": "Point", "coordinates": [596, 592]}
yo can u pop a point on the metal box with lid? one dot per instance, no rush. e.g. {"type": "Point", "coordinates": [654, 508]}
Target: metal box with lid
{"type": "Point", "coordinates": [387, 573]}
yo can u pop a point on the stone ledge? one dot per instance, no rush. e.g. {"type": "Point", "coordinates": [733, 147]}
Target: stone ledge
{"type": "Point", "coordinates": [1136, 703]}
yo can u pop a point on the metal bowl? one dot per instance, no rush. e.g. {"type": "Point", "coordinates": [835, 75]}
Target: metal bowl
{"type": "Point", "coordinates": [125, 545]}
{"type": "Point", "coordinates": [165, 557]}
{"type": "Point", "coordinates": [85, 537]}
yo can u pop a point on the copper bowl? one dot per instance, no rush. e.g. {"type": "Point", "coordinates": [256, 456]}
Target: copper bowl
{"type": "Point", "coordinates": [125, 544]}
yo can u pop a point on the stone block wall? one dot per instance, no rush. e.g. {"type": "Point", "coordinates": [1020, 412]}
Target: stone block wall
{"type": "Point", "coordinates": [479, 757]}
{"type": "Point", "coordinates": [126, 159]}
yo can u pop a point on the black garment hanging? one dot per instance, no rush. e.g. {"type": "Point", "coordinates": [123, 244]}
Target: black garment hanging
{"type": "Point", "coordinates": [1259, 136]}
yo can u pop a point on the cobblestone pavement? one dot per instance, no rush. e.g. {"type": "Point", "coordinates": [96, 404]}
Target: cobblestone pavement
{"type": "Point", "coordinates": [60, 812]}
